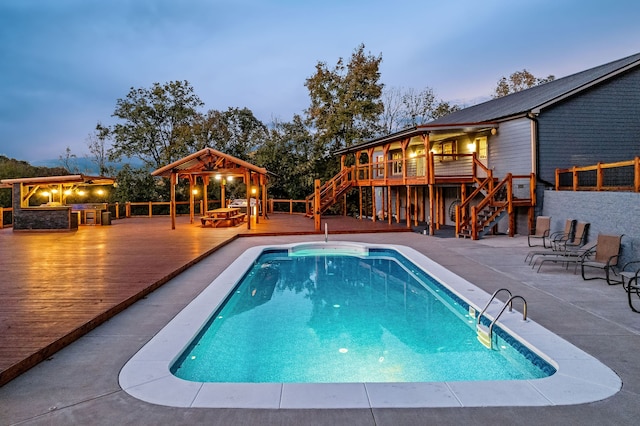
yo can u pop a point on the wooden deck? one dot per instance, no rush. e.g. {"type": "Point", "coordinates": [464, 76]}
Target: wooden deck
{"type": "Point", "coordinates": [57, 286]}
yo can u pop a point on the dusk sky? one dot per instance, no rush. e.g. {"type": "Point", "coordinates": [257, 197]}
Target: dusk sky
{"type": "Point", "coordinates": [65, 63]}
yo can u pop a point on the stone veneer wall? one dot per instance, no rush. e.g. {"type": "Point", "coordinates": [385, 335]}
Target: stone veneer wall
{"type": "Point", "coordinates": [41, 219]}
{"type": "Point", "coordinates": [607, 213]}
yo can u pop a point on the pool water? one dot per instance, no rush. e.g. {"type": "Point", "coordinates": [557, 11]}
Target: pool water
{"type": "Point", "coordinates": [326, 316]}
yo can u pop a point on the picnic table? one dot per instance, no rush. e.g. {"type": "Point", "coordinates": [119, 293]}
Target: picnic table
{"type": "Point", "coordinates": [228, 216]}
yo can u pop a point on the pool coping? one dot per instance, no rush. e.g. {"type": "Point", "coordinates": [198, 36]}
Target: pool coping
{"type": "Point", "coordinates": [580, 378]}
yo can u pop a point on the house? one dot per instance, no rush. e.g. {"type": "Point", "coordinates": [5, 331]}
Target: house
{"type": "Point", "coordinates": [478, 165]}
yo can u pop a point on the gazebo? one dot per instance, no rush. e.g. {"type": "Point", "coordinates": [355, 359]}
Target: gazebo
{"type": "Point", "coordinates": [210, 164]}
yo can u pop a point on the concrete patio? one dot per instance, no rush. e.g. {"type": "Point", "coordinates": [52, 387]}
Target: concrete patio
{"type": "Point", "coordinates": [79, 384]}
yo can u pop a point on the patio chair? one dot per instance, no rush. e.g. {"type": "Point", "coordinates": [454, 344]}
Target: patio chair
{"type": "Point", "coordinates": [543, 227]}
{"type": "Point", "coordinates": [632, 286]}
{"type": "Point", "coordinates": [554, 237]}
{"type": "Point", "coordinates": [606, 258]}
{"type": "Point", "coordinates": [629, 272]}
{"type": "Point", "coordinates": [571, 256]}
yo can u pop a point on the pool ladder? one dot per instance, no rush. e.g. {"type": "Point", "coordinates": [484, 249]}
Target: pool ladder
{"type": "Point", "coordinates": [485, 333]}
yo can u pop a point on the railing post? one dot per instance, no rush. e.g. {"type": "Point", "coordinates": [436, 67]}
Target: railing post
{"type": "Point", "coordinates": [1, 217]}
{"type": "Point", "coordinates": [458, 221]}
{"type": "Point", "coordinates": [150, 209]}
{"type": "Point", "coordinates": [599, 177]}
{"type": "Point", "coordinates": [575, 178]}
{"type": "Point", "coordinates": [474, 224]}
{"type": "Point", "coordinates": [127, 209]}
{"type": "Point", "coordinates": [316, 204]}
{"type": "Point", "coordinates": [636, 177]}
{"type": "Point", "coordinates": [557, 179]}
{"type": "Point", "coordinates": [512, 216]}
{"type": "Point", "coordinates": [290, 206]}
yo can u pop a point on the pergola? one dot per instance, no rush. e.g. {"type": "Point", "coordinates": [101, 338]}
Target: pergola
{"type": "Point", "coordinates": [210, 163]}
{"type": "Point", "coordinates": [59, 186]}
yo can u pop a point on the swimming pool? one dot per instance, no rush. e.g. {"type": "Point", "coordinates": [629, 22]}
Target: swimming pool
{"type": "Point", "coordinates": [343, 314]}
{"type": "Point", "coordinates": [148, 377]}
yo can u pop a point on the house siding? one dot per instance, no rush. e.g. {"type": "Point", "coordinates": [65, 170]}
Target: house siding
{"type": "Point", "coordinates": [601, 124]}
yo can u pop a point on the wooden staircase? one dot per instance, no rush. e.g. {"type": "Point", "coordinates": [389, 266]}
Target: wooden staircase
{"type": "Point", "coordinates": [476, 221]}
{"type": "Point", "coordinates": [331, 191]}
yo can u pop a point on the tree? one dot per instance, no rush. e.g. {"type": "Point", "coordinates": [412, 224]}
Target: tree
{"type": "Point", "coordinates": [345, 101]}
{"type": "Point", "coordinates": [156, 124]}
{"type": "Point", "coordinates": [97, 144]}
{"type": "Point", "coordinates": [518, 81]}
{"type": "Point", "coordinates": [406, 108]}
{"type": "Point", "coordinates": [287, 152]}
{"type": "Point", "coordinates": [68, 161]}
{"type": "Point", "coordinates": [235, 132]}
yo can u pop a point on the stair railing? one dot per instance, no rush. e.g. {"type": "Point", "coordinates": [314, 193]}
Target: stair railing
{"type": "Point", "coordinates": [490, 199]}
{"type": "Point", "coordinates": [331, 189]}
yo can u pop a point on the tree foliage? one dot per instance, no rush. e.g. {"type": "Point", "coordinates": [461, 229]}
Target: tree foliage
{"type": "Point", "coordinates": [156, 123]}
{"type": "Point", "coordinates": [407, 108]}
{"type": "Point", "coordinates": [518, 81]}
{"type": "Point", "coordinates": [235, 132]}
{"type": "Point", "coordinates": [97, 143]}
{"type": "Point", "coordinates": [345, 100]}
{"type": "Point", "coordinates": [288, 153]}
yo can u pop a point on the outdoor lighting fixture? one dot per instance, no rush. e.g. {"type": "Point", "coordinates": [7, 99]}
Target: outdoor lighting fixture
{"type": "Point", "coordinates": [81, 193]}
{"type": "Point", "coordinates": [412, 154]}
{"type": "Point", "coordinates": [194, 192]}
{"type": "Point", "coordinates": [100, 192]}
{"type": "Point", "coordinates": [67, 192]}
{"type": "Point", "coordinates": [45, 193]}
{"type": "Point", "coordinates": [218, 177]}
{"type": "Point", "coordinates": [229, 178]}
{"type": "Point", "coordinates": [472, 146]}
{"type": "Point", "coordinates": [253, 190]}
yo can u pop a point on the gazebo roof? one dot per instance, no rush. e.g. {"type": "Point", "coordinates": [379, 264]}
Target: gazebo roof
{"type": "Point", "coordinates": [209, 161]}
{"type": "Point", "coordinates": [59, 180]}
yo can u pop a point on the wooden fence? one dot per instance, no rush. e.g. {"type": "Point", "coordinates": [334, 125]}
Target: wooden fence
{"type": "Point", "coordinates": [162, 208]}
{"type": "Point", "coordinates": [619, 176]}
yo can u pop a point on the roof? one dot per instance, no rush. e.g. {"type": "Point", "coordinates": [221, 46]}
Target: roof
{"type": "Point", "coordinates": [59, 180]}
{"type": "Point", "coordinates": [209, 161]}
{"type": "Point", "coordinates": [488, 114]}
{"type": "Point", "coordinates": [538, 97]}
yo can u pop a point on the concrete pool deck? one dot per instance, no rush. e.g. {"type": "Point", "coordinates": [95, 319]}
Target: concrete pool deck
{"type": "Point", "coordinates": [79, 384]}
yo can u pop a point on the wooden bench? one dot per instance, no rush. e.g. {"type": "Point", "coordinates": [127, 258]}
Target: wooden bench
{"type": "Point", "coordinates": [211, 221]}
{"type": "Point", "coordinates": [238, 218]}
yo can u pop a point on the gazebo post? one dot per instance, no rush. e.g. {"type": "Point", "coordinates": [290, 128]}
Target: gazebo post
{"type": "Point", "coordinates": [205, 192]}
{"type": "Point", "coordinates": [172, 205]}
{"type": "Point", "coordinates": [192, 178]}
{"type": "Point", "coordinates": [247, 181]}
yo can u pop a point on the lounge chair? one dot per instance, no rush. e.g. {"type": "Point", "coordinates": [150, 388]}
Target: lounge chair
{"type": "Point", "coordinates": [543, 227]}
{"type": "Point", "coordinates": [571, 256]}
{"type": "Point", "coordinates": [578, 239]}
{"type": "Point", "coordinates": [567, 234]}
{"type": "Point", "coordinates": [554, 237]}
{"type": "Point", "coordinates": [606, 258]}
{"type": "Point", "coordinates": [564, 244]}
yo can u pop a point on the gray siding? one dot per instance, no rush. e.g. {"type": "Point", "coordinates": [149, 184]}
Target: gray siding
{"type": "Point", "coordinates": [601, 124]}
{"type": "Point", "coordinates": [510, 149]}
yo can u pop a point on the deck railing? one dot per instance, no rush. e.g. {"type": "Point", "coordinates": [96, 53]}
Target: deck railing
{"type": "Point", "coordinates": [162, 208]}
{"type": "Point", "coordinates": [619, 176]}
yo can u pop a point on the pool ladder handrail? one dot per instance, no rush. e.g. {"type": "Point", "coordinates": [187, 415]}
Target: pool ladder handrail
{"type": "Point", "coordinates": [487, 341]}
{"type": "Point", "coordinates": [493, 296]}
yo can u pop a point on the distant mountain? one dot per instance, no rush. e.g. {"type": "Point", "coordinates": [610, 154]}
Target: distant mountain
{"type": "Point", "coordinates": [85, 166]}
